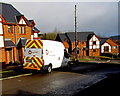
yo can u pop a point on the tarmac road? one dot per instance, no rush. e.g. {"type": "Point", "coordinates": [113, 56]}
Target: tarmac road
{"type": "Point", "coordinates": [107, 87]}
{"type": "Point", "coordinates": [59, 82]}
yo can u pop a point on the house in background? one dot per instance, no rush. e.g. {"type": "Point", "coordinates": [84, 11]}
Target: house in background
{"type": "Point", "coordinates": [116, 38]}
{"type": "Point", "coordinates": [63, 38]}
{"type": "Point", "coordinates": [88, 44]}
{"type": "Point", "coordinates": [35, 31]}
{"type": "Point", "coordinates": [15, 29]}
{"type": "Point", "coordinates": [109, 46]}
{"type": "Point", "coordinates": [94, 45]}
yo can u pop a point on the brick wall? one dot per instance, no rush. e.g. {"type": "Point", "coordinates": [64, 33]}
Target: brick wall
{"type": "Point", "coordinates": [94, 52]}
{"type": "Point", "coordinates": [2, 55]}
{"type": "Point", "coordinates": [9, 34]}
{"type": "Point", "coordinates": [27, 34]}
{"type": "Point", "coordinates": [14, 36]}
{"type": "Point", "coordinates": [82, 46]}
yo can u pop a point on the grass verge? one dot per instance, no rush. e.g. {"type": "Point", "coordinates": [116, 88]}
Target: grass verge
{"type": "Point", "coordinates": [9, 73]}
{"type": "Point", "coordinates": [12, 71]}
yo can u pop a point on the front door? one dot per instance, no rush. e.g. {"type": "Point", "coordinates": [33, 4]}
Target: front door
{"type": "Point", "coordinates": [20, 55]}
{"type": "Point", "coordinates": [9, 55]}
{"type": "Point", "coordinates": [106, 49]}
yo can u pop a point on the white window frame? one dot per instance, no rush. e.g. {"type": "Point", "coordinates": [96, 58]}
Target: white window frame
{"type": "Point", "coordinates": [22, 29]}
{"type": "Point", "coordinates": [10, 28]}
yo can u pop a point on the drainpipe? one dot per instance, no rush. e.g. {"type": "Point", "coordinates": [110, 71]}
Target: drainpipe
{"type": "Point", "coordinates": [15, 44]}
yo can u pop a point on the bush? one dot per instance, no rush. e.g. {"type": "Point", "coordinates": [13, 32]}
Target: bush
{"type": "Point", "coordinates": [16, 63]}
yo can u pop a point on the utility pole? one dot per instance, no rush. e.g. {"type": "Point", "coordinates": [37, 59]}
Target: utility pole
{"type": "Point", "coordinates": [75, 28]}
{"type": "Point", "coordinates": [75, 35]}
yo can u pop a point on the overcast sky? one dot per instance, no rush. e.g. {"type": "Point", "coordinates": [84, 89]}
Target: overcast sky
{"type": "Point", "coordinates": [99, 17]}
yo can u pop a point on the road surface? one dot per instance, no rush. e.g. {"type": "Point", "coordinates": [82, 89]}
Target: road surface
{"type": "Point", "coordinates": [59, 82]}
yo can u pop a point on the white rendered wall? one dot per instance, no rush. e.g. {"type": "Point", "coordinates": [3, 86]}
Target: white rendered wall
{"type": "Point", "coordinates": [1, 30]}
{"type": "Point", "coordinates": [35, 35]}
{"type": "Point", "coordinates": [91, 46]}
{"type": "Point", "coordinates": [102, 47]}
{"type": "Point", "coordinates": [31, 37]}
{"type": "Point", "coordinates": [22, 21]}
{"type": "Point", "coordinates": [1, 41]}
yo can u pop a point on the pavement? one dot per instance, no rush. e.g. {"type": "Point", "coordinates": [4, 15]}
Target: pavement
{"type": "Point", "coordinates": [11, 71]}
{"type": "Point", "coordinates": [103, 61]}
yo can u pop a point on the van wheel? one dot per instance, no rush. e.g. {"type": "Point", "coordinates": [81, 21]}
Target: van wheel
{"type": "Point", "coordinates": [49, 69]}
{"type": "Point", "coordinates": [68, 67]}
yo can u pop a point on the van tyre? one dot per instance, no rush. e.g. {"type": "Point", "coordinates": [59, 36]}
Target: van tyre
{"type": "Point", "coordinates": [49, 69]}
{"type": "Point", "coordinates": [68, 67]}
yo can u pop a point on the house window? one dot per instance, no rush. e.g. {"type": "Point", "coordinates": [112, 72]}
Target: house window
{"type": "Point", "coordinates": [94, 42]}
{"type": "Point", "coordinates": [94, 50]}
{"type": "Point", "coordinates": [106, 48]}
{"type": "Point", "coordinates": [83, 42]}
{"type": "Point", "coordinates": [66, 40]}
{"type": "Point", "coordinates": [9, 28]}
{"type": "Point", "coordinates": [78, 52]}
{"type": "Point", "coordinates": [114, 47]}
{"type": "Point", "coordinates": [22, 29]}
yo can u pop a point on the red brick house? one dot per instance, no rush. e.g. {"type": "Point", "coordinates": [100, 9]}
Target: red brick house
{"type": "Point", "coordinates": [88, 44]}
{"type": "Point", "coordinates": [15, 29]}
{"type": "Point", "coordinates": [62, 38]}
{"type": "Point", "coordinates": [109, 46]}
{"type": "Point", "coordinates": [116, 38]}
{"type": "Point", "coordinates": [94, 45]}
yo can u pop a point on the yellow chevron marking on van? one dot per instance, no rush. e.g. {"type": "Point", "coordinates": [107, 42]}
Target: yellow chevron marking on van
{"type": "Point", "coordinates": [38, 62]}
{"type": "Point", "coordinates": [39, 44]}
{"type": "Point", "coordinates": [29, 43]}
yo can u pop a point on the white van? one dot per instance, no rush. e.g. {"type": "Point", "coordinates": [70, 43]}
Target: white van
{"type": "Point", "coordinates": [45, 55]}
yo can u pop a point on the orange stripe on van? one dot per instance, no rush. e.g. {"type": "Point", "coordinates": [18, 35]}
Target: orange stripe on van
{"type": "Point", "coordinates": [32, 68]}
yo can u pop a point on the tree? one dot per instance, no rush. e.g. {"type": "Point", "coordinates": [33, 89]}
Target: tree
{"type": "Point", "coordinates": [50, 36]}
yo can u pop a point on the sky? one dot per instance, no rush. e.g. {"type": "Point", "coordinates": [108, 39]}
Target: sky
{"type": "Point", "coordinates": [99, 17]}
